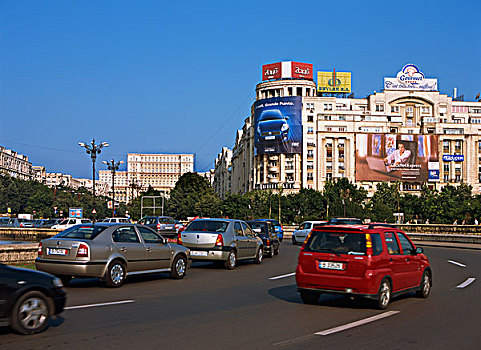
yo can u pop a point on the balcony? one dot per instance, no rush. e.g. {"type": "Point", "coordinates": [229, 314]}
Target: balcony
{"type": "Point", "coordinates": [274, 168]}
{"type": "Point", "coordinates": [273, 180]}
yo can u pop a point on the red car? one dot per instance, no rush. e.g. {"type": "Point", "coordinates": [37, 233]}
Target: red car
{"type": "Point", "coordinates": [376, 261]}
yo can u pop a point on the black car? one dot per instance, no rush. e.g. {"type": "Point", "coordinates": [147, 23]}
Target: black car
{"type": "Point", "coordinates": [164, 225]}
{"type": "Point", "coordinates": [29, 298]}
{"type": "Point", "coordinates": [266, 231]}
{"type": "Point", "coordinates": [344, 221]}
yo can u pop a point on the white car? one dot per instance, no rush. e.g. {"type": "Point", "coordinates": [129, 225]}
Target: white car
{"type": "Point", "coordinates": [300, 234]}
{"type": "Point", "coordinates": [67, 223]}
{"type": "Point", "coordinates": [118, 220]}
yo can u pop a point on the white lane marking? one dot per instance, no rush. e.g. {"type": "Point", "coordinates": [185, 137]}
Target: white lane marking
{"type": "Point", "coordinates": [99, 304]}
{"type": "Point", "coordinates": [283, 276]}
{"type": "Point", "coordinates": [357, 323]}
{"type": "Point", "coordinates": [456, 263]}
{"type": "Point", "coordinates": [466, 283]}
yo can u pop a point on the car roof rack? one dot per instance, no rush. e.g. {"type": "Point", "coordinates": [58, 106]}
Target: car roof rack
{"type": "Point", "coordinates": [371, 226]}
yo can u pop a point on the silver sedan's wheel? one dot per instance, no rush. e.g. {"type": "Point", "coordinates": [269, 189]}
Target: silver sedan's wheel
{"type": "Point", "coordinates": [31, 313]}
{"type": "Point", "coordinates": [179, 267]}
{"type": "Point", "coordinates": [384, 294]}
{"type": "Point", "coordinates": [115, 275]}
{"type": "Point", "coordinates": [231, 260]}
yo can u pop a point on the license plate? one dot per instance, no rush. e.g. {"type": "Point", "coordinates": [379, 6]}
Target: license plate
{"type": "Point", "coordinates": [329, 265]}
{"type": "Point", "coordinates": [270, 137]}
{"type": "Point", "coordinates": [57, 251]}
{"type": "Point", "coordinates": [197, 253]}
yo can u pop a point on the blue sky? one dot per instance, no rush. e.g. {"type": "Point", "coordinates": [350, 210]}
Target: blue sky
{"type": "Point", "coordinates": [161, 76]}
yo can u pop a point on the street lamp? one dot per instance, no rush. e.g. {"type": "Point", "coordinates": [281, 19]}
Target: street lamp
{"type": "Point", "coordinates": [93, 150]}
{"type": "Point", "coordinates": [113, 167]}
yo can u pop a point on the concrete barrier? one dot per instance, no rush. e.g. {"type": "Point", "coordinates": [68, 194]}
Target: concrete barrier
{"type": "Point", "coordinates": [18, 253]}
{"type": "Point", "coordinates": [26, 234]}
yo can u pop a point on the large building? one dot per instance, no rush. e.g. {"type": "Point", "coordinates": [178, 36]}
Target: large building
{"type": "Point", "coordinates": [14, 164]}
{"type": "Point", "coordinates": [159, 171]}
{"type": "Point", "coordinates": [301, 134]}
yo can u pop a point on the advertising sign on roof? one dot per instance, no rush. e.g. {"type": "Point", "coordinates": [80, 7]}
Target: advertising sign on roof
{"type": "Point", "coordinates": [410, 78]}
{"type": "Point", "coordinates": [337, 82]}
{"type": "Point", "coordinates": [289, 69]}
{"type": "Point", "coordinates": [75, 213]}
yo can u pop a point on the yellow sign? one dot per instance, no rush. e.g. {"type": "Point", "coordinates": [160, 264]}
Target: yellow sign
{"type": "Point", "coordinates": [339, 82]}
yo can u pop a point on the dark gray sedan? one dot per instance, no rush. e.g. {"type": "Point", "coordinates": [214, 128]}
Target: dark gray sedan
{"type": "Point", "coordinates": [111, 252]}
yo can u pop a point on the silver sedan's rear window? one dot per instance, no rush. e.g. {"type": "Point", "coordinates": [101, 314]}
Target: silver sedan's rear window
{"type": "Point", "coordinates": [81, 232]}
{"type": "Point", "coordinates": [207, 226]}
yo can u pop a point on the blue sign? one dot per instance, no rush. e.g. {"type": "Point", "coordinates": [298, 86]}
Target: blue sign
{"type": "Point", "coordinates": [453, 158]}
{"type": "Point", "coordinates": [75, 213]}
{"type": "Point", "coordinates": [278, 125]}
{"type": "Point", "coordinates": [433, 175]}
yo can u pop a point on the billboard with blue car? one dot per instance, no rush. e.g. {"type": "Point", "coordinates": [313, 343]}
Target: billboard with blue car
{"type": "Point", "coordinates": [278, 125]}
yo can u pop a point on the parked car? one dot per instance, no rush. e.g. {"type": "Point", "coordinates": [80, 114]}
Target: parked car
{"type": "Point", "coordinates": [265, 231]}
{"type": "Point", "coordinates": [221, 240]}
{"type": "Point", "coordinates": [165, 225]}
{"type": "Point", "coordinates": [373, 261]}
{"type": "Point", "coordinates": [29, 298]}
{"type": "Point", "coordinates": [46, 223]}
{"type": "Point", "coordinates": [299, 235]}
{"type": "Point", "coordinates": [277, 226]}
{"type": "Point", "coordinates": [111, 252]}
{"type": "Point", "coordinates": [67, 223]}
{"type": "Point", "coordinates": [9, 222]}
{"type": "Point", "coordinates": [117, 220]}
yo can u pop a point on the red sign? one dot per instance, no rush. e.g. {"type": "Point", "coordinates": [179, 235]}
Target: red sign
{"type": "Point", "coordinates": [302, 70]}
{"type": "Point", "coordinates": [271, 71]}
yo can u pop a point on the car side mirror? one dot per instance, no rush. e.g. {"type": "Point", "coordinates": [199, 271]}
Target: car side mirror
{"type": "Point", "coordinates": [165, 240]}
{"type": "Point", "coordinates": [419, 250]}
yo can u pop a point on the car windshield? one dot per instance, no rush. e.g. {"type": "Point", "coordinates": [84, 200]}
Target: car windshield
{"type": "Point", "coordinates": [207, 226]}
{"type": "Point", "coordinates": [336, 242]}
{"type": "Point", "coordinates": [64, 222]}
{"type": "Point", "coordinates": [258, 225]}
{"type": "Point", "coordinates": [271, 115]}
{"type": "Point", "coordinates": [81, 232]}
{"type": "Point", "coordinates": [148, 221]}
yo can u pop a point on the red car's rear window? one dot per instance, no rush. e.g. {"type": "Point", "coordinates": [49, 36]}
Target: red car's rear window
{"type": "Point", "coordinates": [336, 242]}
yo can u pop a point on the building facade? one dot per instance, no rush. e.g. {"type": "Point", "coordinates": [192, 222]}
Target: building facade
{"type": "Point", "coordinates": [298, 136]}
{"type": "Point", "coordinates": [14, 164]}
{"type": "Point", "coordinates": [223, 172]}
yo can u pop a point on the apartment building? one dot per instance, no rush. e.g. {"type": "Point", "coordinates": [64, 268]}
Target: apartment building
{"type": "Point", "coordinates": [299, 136]}
{"type": "Point", "coordinates": [14, 164]}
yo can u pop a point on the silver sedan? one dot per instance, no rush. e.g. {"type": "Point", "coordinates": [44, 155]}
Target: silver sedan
{"type": "Point", "coordinates": [111, 252]}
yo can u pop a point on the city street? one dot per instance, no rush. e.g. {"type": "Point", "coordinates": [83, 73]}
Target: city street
{"type": "Point", "coordinates": [257, 306]}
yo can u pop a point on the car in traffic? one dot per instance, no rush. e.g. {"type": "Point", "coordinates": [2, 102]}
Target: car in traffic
{"type": "Point", "coordinates": [164, 225]}
{"type": "Point", "coordinates": [375, 261]}
{"type": "Point", "coordinates": [300, 234]}
{"type": "Point", "coordinates": [111, 252]}
{"type": "Point", "coordinates": [221, 240]}
{"type": "Point", "coordinates": [28, 299]}
{"type": "Point", "coordinates": [344, 221]}
{"type": "Point", "coordinates": [67, 223]}
{"type": "Point", "coordinates": [117, 220]}
{"type": "Point", "coordinates": [277, 227]}
{"type": "Point", "coordinates": [178, 226]}
{"type": "Point", "coordinates": [265, 231]}
{"type": "Point", "coordinates": [46, 223]}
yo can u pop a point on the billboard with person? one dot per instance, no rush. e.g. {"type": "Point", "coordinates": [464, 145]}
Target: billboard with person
{"type": "Point", "coordinates": [391, 157]}
{"type": "Point", "coordinates": [278, 125]}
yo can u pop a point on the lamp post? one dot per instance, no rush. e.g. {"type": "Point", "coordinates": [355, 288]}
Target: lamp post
{"type": "Point", "coordinates": [93, 150]}
{"type": "Point", "coordinates": [113, 167]}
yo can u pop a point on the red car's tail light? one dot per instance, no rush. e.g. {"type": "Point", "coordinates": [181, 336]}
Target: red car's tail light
{"type": "Point", "coordinates": [158, 226]}
{"type": "Point", "coordinates": [368, 244]}
{"type": "Point", "coordinates": [40, 250]}
{"type": "Point", "coordinates": [179, 239]}
{"type": "Point", "coordinates": [83, 251]}
{"type": "Point", "coordinates": [219, 242]}
{"type": "Point", "coordinates": [268, 242]}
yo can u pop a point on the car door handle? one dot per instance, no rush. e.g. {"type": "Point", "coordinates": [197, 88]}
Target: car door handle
{"type": "Point", "coordinates": [123, 249]}
{"type": "Point", "coordinates": [148, 249]}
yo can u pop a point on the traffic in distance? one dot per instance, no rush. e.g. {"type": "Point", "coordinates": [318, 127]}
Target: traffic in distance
{"type": "Point", "coordinates": [341, 256]}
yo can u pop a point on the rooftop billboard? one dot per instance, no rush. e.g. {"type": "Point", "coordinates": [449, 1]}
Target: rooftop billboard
{"type": "Point", "coordinates": [278, 125]}
{"type": "Point", "coordinates": [289, 69]}
{"type": "Point", "coordinates": [336, 82]}
{"type": "Point", "coordinates": [390, 157]}
{"type": "Point", "coordinates": [410, 78]}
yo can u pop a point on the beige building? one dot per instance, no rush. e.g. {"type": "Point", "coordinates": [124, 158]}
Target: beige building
{"type": "Point", "coordinates": [160, 171]}
{"type": "Point", "coordinates": [223, 172]}
{"type": "Point", "coordinates": [350, 137]}
{"type": "Point", "coordinates": [14, 164]}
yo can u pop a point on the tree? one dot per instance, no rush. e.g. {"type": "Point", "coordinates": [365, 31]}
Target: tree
{"type": "Point", "coordinates": [193, 196]}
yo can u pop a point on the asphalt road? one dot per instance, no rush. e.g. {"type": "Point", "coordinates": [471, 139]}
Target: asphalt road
{"type": "Point", "coordinates": [212, 308]}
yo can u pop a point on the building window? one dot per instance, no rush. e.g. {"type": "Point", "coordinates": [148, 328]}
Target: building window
{"type": "Point", "coordinates": [310, 165]}
{"type": "Point", "coordinates": [327, 117]}
{"type": "Point", "coordinates": [394, 109]}
{"type": "Point", "coordinates": [457, 146]}
{"type": "Point", "coordinates": [342, 117]}
{"type": "Point", "coordinates": [310, 118]}
{"type": "Point", "coordinates": [328, 176]}
{"type": "Point", "coordinates": [328, 106]}
{"type": "Point", "coordinates": [409, 109]}
{"type": "Point", "coordinates": [310, 176]}
{"type": "Point", "coordinates": [310, 130]}
{"type": "Point", "coordinates": [425, 110]}
{"type": "Point", "coordinates": [446, 146]}
{"type": "Point", "coordinates": [379, 107]}
{"type": "Point", "coordinates": [310, 153]}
